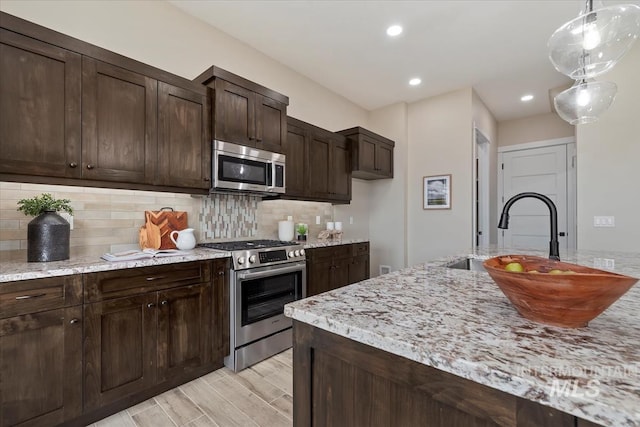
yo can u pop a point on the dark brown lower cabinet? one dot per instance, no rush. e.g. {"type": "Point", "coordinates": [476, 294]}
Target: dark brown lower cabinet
{"type": "Point", "coordinates": [41, 367]}
{"type": "Point", "coordinates": [337, 381]}
{"type": "Point", "coordinates": [333, 267]}
{"type": "Point", "coordinates": [120, 348]}
{"type": "Point", "coordinates": [184, 330]}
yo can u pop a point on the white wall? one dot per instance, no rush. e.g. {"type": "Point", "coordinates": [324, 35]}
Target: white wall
{"type": "Point", "coordinates": [540, 127]}
{"type": "Point", "coordinates": [608, 158]}
{"type": "Point", "coordinates": [388, 218]}
{"type": "Point", "coordinates": [440, 142]}
{"type": "Point", "coordinates": [161, 35]}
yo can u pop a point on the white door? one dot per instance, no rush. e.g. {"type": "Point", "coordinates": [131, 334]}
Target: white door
{"type": "Point", "coordinates": [540, 170]}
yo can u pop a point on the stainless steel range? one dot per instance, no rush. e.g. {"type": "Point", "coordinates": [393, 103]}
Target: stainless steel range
{"type": "Point", "coordinates": [266, 275]}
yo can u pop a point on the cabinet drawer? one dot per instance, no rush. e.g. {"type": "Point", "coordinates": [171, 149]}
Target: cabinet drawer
{"type": "Point", "coordinates": [32, 296]}
{"type": "Point", "coordinates": [329, 252]}
{"type": "Point", "coordinates": [132, 281]}
{"type": "Point", "coordinates": [360, 248]}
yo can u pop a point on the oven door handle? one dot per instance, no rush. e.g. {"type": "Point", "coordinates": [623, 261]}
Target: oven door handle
{"type": "Point", "coordinates": [271, 272]}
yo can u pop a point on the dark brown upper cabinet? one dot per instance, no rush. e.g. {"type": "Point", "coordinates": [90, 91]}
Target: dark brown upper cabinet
{"type": "Point", "coordinates": [72, 113]}
{"type": "Point", "coordinates": [39, 108]}
{"type": "Point", "coordinates": [184, 146]}
{"type": "Point", "coordinates": [119, 124]}
{"type": "Point", "coordinates": [372, 154]}
{"type": "Point", "coordinates": [318, 163]}
{"type": "Point", "coordinates": [246, 113]}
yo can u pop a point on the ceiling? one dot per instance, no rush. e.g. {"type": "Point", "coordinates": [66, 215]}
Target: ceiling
{"type": "Point", "coordinates": [496, 47]}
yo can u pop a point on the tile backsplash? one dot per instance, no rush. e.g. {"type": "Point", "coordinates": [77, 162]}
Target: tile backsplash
{"type": "Point", "coordinates": [229, 216]}
{"type": "Point", "coordinates": [108, 220]}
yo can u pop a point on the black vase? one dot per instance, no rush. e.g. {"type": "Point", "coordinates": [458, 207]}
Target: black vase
{"type": "Point", "coordinates": [48, 238]}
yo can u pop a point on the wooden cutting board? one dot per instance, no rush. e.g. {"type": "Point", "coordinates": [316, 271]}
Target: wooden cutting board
{"type": "Point", "coordinates": [167, 221]}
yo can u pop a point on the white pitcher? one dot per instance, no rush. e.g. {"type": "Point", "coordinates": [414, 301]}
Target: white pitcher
{"type": "Point", "coordinates": [186, 240]}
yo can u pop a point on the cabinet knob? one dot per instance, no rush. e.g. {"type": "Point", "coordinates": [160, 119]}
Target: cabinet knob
{"type": "Point", "coordinates": [207, 180]}
{"type": "Point", "coordinates": [74, 321]}
{"type": "Point", "coordinates": [89, 166]}
{"type": "Point", "coordinates": [221, 273]}
{"type": "Point", "coordinates": [165, 302]}
{"type": "Point", "coordinates": [151, 305]}
{"type": "Point", "coordinates": [73, 165]}
{"type": "Point", "coordinates": [259, 139]}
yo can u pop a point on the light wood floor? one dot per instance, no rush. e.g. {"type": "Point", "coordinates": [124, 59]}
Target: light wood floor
{"type": "Point", "coordinates": [258, 396]}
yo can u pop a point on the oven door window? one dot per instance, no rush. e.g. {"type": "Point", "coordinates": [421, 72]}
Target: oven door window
{"type": "Point", "coordinates": [266, 297]}
{"type": "Point", "coordinates": [234, 169]}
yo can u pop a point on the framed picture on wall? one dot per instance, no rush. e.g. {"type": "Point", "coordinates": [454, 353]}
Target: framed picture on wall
{"type": "Point", "coordinates": [436, 192]}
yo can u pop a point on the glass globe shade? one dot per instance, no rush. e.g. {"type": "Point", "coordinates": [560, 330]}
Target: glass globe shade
{"type": "Point", "coordinates": [585, 101]}
{"type": "Point", "coordinates": [592, 43]}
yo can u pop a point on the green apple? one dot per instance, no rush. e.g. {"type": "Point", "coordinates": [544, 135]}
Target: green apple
{"type": "Point", "coordinates": [515, 267]}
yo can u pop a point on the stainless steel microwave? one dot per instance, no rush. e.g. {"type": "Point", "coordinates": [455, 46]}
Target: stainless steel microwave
{"type": "Point", "coordinates": [236, 167]}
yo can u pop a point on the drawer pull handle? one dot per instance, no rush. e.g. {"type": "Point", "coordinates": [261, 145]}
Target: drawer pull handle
{"type": "Point", "coordinates": [74, 321]}
{"type": "Point", "coordinates": [165, 302]}
{"type": "Point", "coordinates": [151, 279]}
{"type": "Point", "coordinates": [30, 296]}
{"type": "Point", "coordinates": [151, 305]}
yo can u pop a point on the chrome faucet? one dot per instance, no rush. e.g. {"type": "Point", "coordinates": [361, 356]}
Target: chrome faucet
{"type": "Point", "coordinates": [554, 250]}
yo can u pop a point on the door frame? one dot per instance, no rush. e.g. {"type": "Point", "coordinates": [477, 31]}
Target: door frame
{"type": "Point", "coordinates": [570, 143]}
{"type": "Point", "coordinates": [481, 146]}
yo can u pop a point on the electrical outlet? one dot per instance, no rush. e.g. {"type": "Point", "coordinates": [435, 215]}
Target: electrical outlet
{"type": "Point", "coordinates": [68, 217]}
{"type": "Point", "coordinates": [609, 263]}
{"type": "Point", "coordinates": [317, 219]}
{"type": "Point", "coordinates": [604, 221]}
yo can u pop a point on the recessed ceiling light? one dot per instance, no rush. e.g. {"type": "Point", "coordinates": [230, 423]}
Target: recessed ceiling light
{"type": "Point", "coordinates": [526, 98]}
{"type": "Point", "coordinates": [394, 30]}
{"type": "Point", "coordinates": [415, 81]}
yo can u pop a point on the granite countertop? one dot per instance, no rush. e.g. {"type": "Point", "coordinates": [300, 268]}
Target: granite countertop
{"type": "Point", "coordinates": [20, 270]}
{"type": "Point", "coordinates": [460, 322]}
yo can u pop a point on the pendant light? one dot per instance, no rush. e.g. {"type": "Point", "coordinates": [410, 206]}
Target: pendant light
{"type": "Point", "coordinates": [585, 47]}
{"type": "Point", "coordinates": [592, 43]}
{"type": "Point", "coordinates": [585, 101]}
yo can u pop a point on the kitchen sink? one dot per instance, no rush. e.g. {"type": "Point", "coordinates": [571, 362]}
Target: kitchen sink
{"type": "Point", "coordinates": [471, 264]}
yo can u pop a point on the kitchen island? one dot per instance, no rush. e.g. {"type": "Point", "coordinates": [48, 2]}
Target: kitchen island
{"type": "Point", "coordinates": [430, 345]}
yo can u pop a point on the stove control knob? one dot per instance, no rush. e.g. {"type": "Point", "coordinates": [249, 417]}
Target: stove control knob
{"type": "Point", "coordinates": [252, 259]}
{"type": "Point", "coordinates": [297, 252]}
{"type": "Point", "coordinates": [241, 260]}
{"type": "Point", "coordinates": [290, 254]}
{"type": "Point", "coordinates": [301, 252]}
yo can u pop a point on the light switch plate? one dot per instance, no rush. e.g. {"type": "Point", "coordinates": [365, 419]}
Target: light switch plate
{"type": "Point", "coordinates": [604, 221]}
{"type": "Point", "coordinates": [317, 219]}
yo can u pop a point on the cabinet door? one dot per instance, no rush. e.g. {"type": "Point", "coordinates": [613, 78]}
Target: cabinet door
{"type": "Point", "coordinates": [319, 164]}
{"type": "Point", "coordinates": [220, 310]}
{"type": "Point", "coordinates": [384, 160]}
{"type": "Point", "coordinates": [184, 150]}
{"type": "Point", "coordinates": [359, 269]}
{"type": "Point", "coordinates": [340, 273]}
{"type": "Point", "coordinates": [295, 152]}
{"type": "Point", "coordinates": [271, 124]}
{"type": "Point", "coordinates": [340, 171]}
{"type": "Point", "coordinates": [119, 124]}
{"type": "Point", "coordinates": [41, 367]}
{"type": "Point", "coordinates": [234, 113]}
{"type": "Point", "coordinates": [119, 349]}
{"type": "Point", "coordinates": [39, 108]}
{"type": "Point", "coordinates": [366, 154]}
{"type": "Point", "coordinates": [318, 276]}
{"type": "Point", "coordinates": [184, 330]}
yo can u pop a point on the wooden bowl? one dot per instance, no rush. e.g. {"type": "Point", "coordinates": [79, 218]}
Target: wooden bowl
{"type": "Point", "coordinates": [568, 300]}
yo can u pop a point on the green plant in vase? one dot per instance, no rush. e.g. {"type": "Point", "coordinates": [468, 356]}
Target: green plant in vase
{"type": "Point", "coordinates": [302, 229]}
{"type": "Point", "coordinates": [48, 234]}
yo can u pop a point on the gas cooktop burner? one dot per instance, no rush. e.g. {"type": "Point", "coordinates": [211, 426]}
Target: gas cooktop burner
{"type": "Point", "coordinates": [245, 245]}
